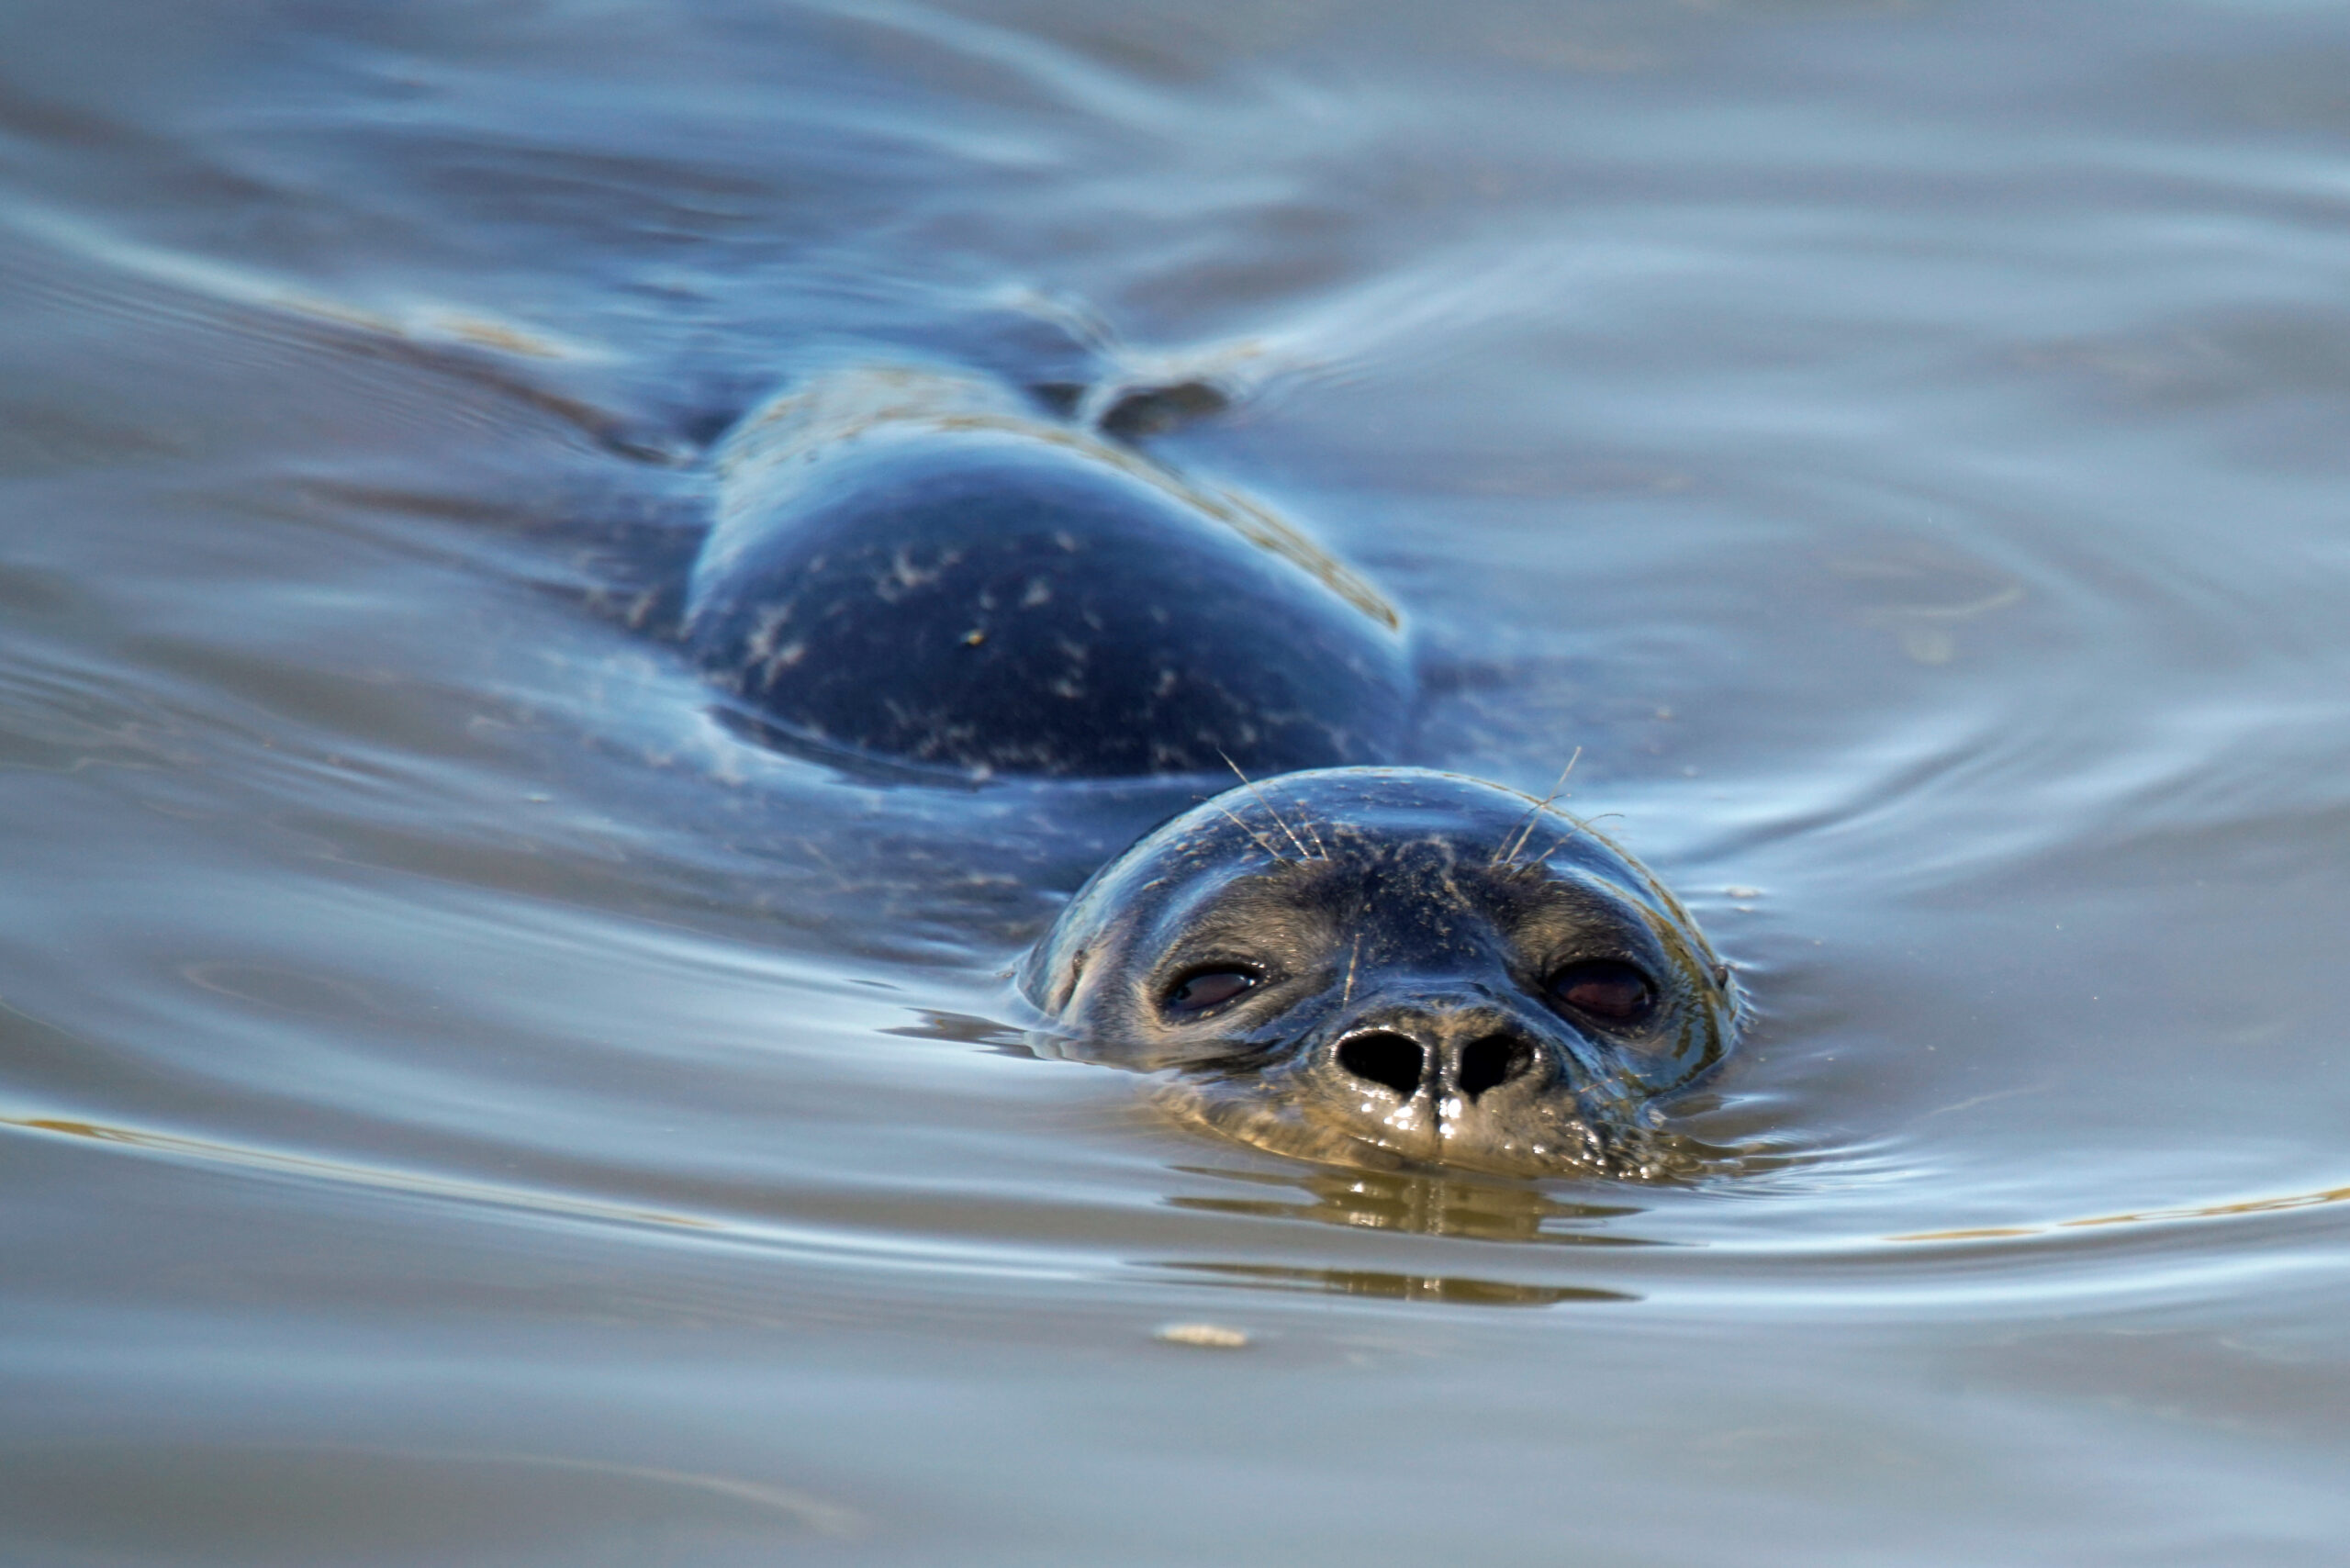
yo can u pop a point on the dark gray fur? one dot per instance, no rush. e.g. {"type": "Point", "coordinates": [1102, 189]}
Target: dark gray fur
{"type": "Point", "coordinates": [954, 583]}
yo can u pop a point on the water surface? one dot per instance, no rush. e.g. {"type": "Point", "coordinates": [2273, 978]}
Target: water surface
{"type": "Point", "coordinates": [463, 1104]}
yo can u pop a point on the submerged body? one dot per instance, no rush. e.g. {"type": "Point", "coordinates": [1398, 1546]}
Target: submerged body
{"type": "Point", "coordinates": [1341, 961]}
{"type": "Point", "coordinates": [908, 565]}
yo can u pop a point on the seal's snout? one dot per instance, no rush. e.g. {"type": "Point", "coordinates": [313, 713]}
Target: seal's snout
{"type": "Point", "coordinates": [1457, 1075]}
{"type": "Point", "coordinates": [1466, 1051]}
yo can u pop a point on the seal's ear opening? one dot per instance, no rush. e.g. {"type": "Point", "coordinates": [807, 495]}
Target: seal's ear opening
{"type": "Point", "coordinates": [1047, 982]}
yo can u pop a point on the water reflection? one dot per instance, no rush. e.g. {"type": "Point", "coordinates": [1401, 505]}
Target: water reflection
{"type": "Point", "coordinates": [1450, 1289]}
{"type": "Point", "coordinates": [966, 1029]}
{"type": "Point", "coordinates": [306, 1503]}
{"type": "Point", "coordinates": [280, 1163]}
{"type": "Point", "coordinates": [1927, 596]}
{"type": "Point", "coordinates": [1420, 1204]}
{"type": "Point", "coordinates": [2277, 1205]}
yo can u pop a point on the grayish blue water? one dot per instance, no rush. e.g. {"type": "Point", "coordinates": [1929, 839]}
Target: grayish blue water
{"type": "Point", "coordinates": [461, 1105]}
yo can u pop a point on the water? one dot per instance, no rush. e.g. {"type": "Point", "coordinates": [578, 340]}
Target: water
{"type": "Point", "coordinates": [463, 1106]}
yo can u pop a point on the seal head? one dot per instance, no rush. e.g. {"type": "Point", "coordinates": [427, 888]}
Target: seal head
{"type": "Point", "coordinates": [1393, 966]}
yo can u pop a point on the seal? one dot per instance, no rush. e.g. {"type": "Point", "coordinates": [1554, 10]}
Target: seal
{"type": "Point", "coordinates": [1393, 966]}
{"type": "Point", "coordinates": [1344, 960]}
{"type": "Point", "coordinates": [908, 565]}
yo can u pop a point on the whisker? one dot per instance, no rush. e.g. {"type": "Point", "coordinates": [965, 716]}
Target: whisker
{"type": "Point", "coordinates": [1509, 858]}
{"type": "Point", "coordinates": [1262, 842]}
{"type": "Point", "coordinates": [1268, 805]}
{"type": "Point", "coordinates": [1550, 849]}
{"type": "Point", "coordinates": [1305, 819]}
{"type": "Point", "coordinates": [1583, 825]}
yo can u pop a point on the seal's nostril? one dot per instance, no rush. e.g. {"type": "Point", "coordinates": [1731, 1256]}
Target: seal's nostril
{"type": "Point", "coordinates": [1391, 1060]}
{"type": "Point", "coordinates": [1491, 1062]}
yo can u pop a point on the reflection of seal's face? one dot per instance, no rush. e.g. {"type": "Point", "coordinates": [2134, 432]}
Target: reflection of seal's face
{"type": "Point", "coordinates": [1390, 965]}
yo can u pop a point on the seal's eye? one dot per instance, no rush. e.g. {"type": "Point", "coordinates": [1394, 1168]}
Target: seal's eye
{"type": "Point", "coordinates": [1203, 989]}
{"type": "Point", "coordinates": [1610, 991]}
